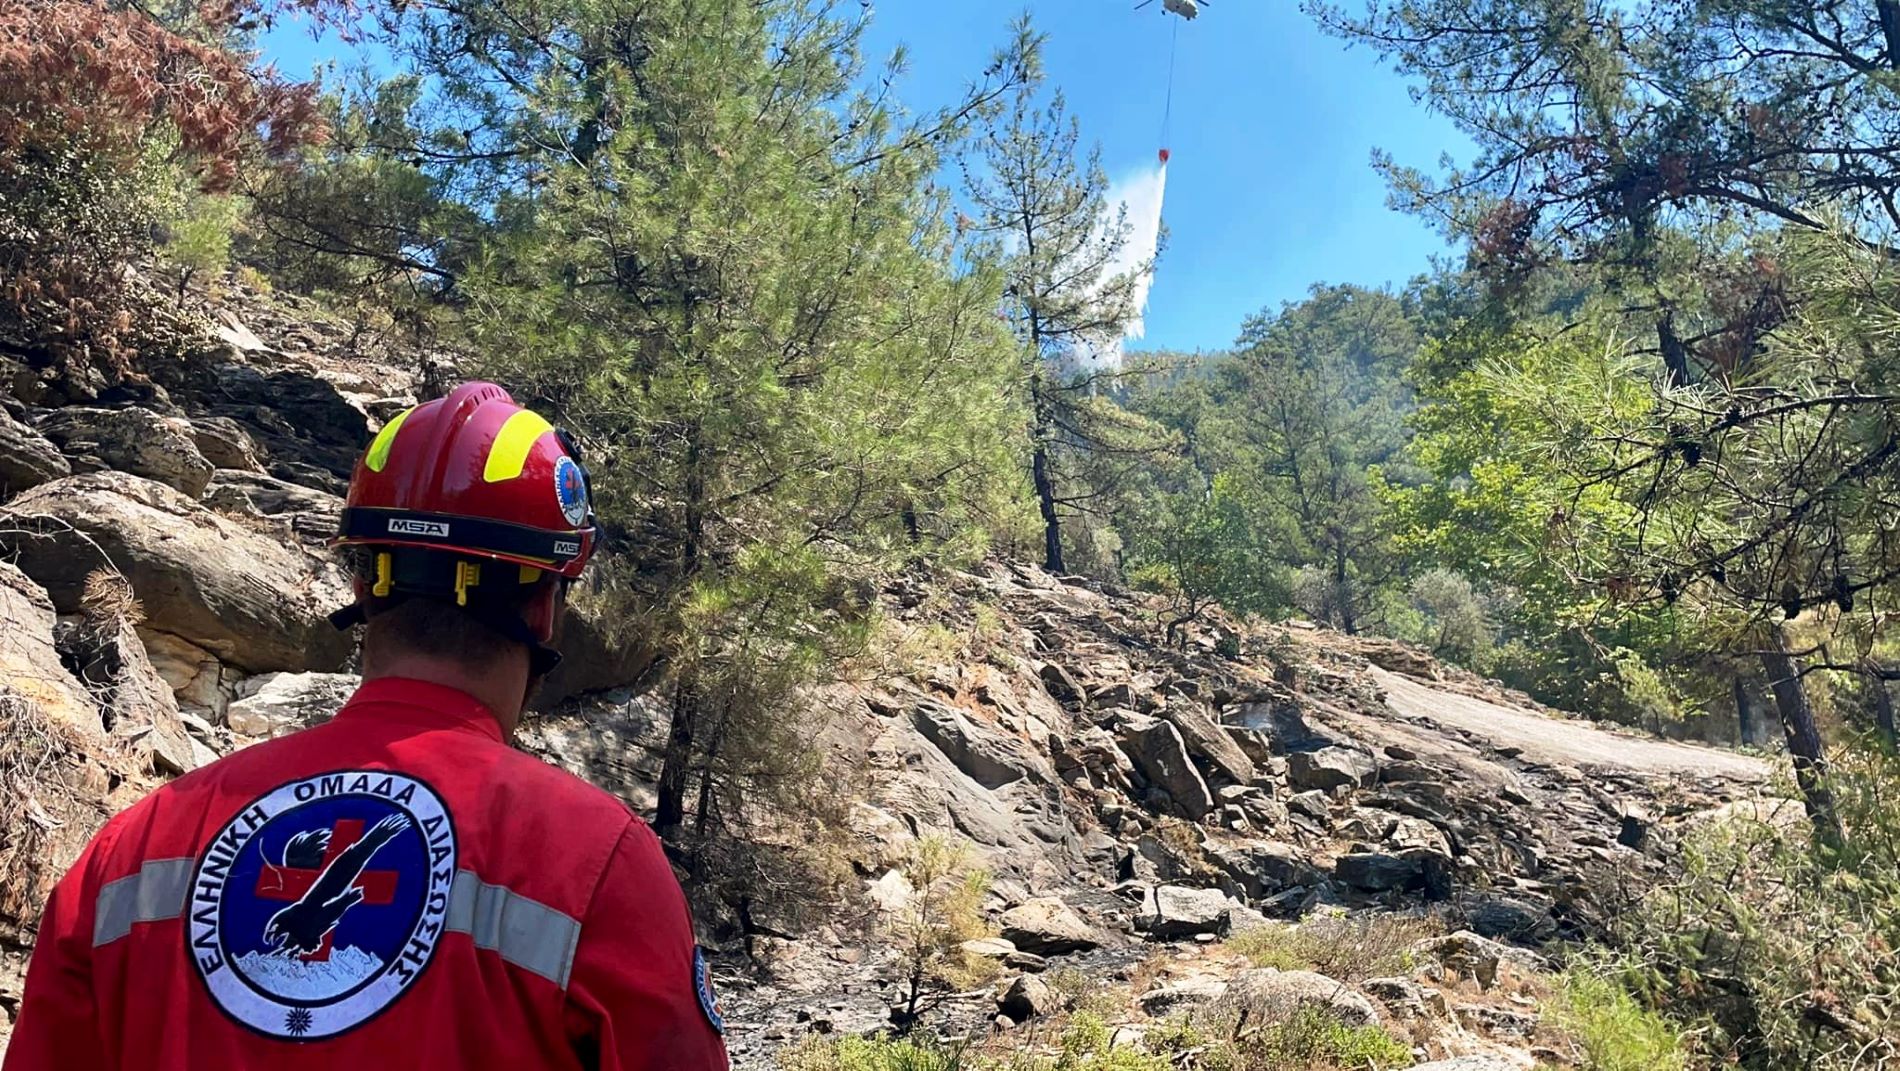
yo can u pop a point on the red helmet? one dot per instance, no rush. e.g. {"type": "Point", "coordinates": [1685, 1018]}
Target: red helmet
{"type": "Point", "coordinates": [462, 481]}
{"type": "Point", "coordinates": [476, 475]}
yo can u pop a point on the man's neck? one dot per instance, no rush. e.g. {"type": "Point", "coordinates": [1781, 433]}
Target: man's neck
{"type": "Point", "coordinates": [502, 689]}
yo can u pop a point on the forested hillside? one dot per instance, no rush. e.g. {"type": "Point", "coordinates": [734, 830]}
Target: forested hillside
{"type": "Point", "coordinates": [1632, 448]}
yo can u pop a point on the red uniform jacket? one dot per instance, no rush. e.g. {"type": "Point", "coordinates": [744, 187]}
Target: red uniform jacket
{"type": "Point", "coordinates": [395, 888]}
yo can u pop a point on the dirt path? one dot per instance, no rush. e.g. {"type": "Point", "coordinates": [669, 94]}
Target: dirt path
{"type": "Point", "coordinates": [1552, 740]}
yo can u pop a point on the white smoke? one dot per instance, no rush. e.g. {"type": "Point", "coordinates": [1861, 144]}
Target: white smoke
{"type": "Point", "coordinates": [1138, 195]}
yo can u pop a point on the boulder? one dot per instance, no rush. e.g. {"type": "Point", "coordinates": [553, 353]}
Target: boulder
{"type": "Point", "coordinates": [1418, 835]}
{"type": "Point", "coordinates": [249, 600]}
{"type": "Point", "coordinates": [1265, 868]}
{"type": "Point", "coordinates": [1380, 871]}
{"type": "Point", "coordinates": [133, 440]}
{"type": "Point", "coordinates": [1093, 754]}
{"type": "Point", "coordinates": [30, 667]}
{"type": "Point", "coordinates": [277, 704]}
{"type": "Point", "coordinates": [1217, 753]}
{"type": "Point", "coordinates": [1183, 995]}
{"type": "Point", "coordinates": [1047, 926]}
{"type": "Point", "coordinates": [1398, 657]}
{"type": "Point", "coordinates": [301, 421]}
{"type": "Point", "coordinates": [1060, 683]}
{"type": "Point", "coordinates": [1470, 1063]}
{"type": "Point", "coordinates": [990, 948]}
{"type": "Point", "coordinates": [1467, 955]}
{"type": "Point", "coordinates": [225, 444]}
{"type": "Point", "coordinates": [989, 756]}
{"type": "Point", "coordinates": [1404, 997]}
{"type": "Point", "coordinates": [267, 496]}
{"type": "Point", "coordinates": [139, 706]}
{"type": "Point", "coordinates": [1312, 804]}
{"type": "Point", "coordinates": [1027, 997]}
{"type": "Point", "coordinates": [1156, 749]}
{"type": "Point", "coordinates": [1330, 768]}
{"type": "Point", "coordinates": [27, 458]}
{"type": "Point", "coordinates": [891, 894]}
{"type": "Point", "coordinates": [1509, 919]}
{"type": "Point", "coordinates": [1172, 912]}
{"type": "Point", "coordinates": [195, 675]}
{"type": "Point", "coordinates": [1266, 996]}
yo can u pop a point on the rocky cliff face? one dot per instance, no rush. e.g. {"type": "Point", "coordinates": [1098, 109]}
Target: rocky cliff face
{"type": "Point", "coordinates": [162, 592]}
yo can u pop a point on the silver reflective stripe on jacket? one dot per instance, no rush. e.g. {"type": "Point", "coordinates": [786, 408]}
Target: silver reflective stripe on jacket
{"type": "Point", "coordinates": [524, 932]}
{"type": "Point", "coordinates": [528, 934]}
{"type": "Point", "coordinates": [157, 892]}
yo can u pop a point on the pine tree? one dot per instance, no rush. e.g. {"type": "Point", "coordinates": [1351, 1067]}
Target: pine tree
{"type": "Point", "coordinates": [1046, 204]}
{"type": "Point", "coordinates": [729, 270]}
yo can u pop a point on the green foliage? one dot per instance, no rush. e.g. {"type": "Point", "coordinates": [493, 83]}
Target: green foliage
{"type": "Point", "coordinates": [1041, 211]}
{"type": "Point", "coordinates": [1350, 948]}
{"type": "Point", "coordinates": [736, 289]}
{"type": "Point", "coordinates": [1452, 617]}
{"type": "Point", "coordinates": [1276, 505]}
{"type": "Point", "coordinates": [198, 242]}
{"type": "Point", "coordinates": [1785, 952]}
{"type": "Point", "coordinates": [1313, 1039]}
{"type": "Point", "coordinates": [1202, 547]}
{"type": "Point", "coordinates": [1611, 1030]}
{"type": "Point", "coordinates": [944, 910]}
{"type": "Point", "coordinates": [871, 1054]}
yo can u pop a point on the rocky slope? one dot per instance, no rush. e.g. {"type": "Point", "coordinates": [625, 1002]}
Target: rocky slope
{"type": "Point", "coordinates": [1140, 805]}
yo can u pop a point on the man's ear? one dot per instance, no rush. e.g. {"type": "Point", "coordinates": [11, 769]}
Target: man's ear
{"type": "Point", "coordinates": [543, 612]}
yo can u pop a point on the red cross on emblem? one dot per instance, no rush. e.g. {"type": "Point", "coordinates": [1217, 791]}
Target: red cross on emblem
{"type": "Point", "coordinates": [288, 884]}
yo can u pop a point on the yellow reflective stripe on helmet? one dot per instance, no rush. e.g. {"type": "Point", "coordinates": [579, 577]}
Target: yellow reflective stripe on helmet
{"type": "Point", "coordinates": [510, 452]}
{"type": "Point", "coordinates": [378, 455]}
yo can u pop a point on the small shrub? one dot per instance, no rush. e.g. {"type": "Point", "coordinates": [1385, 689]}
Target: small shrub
{"type": "Point", "coordinates": [1779, 951]}
{"type": "Point", "coordinates": [1313, 1039]}
{"type": "Point", "coordinates": [1351, 947]}
{"type": "Point", "coordinates": [1611, 1030]}
{"type": "Point", "coordinates": [1279, 947]}
{"type": "Point", "coordinates": [945, 910]}
{"type": "Point", "coordinates": [872, 1054]}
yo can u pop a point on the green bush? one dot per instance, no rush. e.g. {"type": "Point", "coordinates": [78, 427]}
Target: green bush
{"type": "Point", "coordinates": [1783, 950]}
{"type": "Point", "coordinates": [870, 1054]}
{"type": "Point", "coordinates": [1612, 1030]}
{"type": "Point", "coordinates": [1350, 948]}
{"type": "Point", "coordinates": [1314, 1039]}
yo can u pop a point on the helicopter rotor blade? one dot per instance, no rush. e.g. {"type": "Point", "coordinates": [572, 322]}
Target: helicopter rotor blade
{"type": "Point", "coordinates": [1144, 3]}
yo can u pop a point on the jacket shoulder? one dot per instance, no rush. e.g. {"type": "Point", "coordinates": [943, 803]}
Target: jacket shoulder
{"type": "Point", "coordinates": [564, 790]}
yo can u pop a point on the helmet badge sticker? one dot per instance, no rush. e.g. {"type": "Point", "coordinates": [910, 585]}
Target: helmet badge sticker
{"type": "Point", "coordinates": [322, 902]}
{"type": "Point", "coordinates": [570, 489]}
{"type": "Point", "coordinates": [702, 984]}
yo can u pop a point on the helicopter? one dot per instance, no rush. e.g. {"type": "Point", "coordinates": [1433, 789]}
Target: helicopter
{"type": "Point", "coordinates": [1187, 9]}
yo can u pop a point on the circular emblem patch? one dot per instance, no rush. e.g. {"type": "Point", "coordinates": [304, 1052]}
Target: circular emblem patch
{"type": "Point", "coordinates": [322, 902]}
{"type": "Point", "coordinates": [570, 487]}
{"type": "Point", "coordinates": [702, 984]}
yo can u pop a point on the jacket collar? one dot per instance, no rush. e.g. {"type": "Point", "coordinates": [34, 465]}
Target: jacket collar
{"type": "Point", "coordinates": [423, 704]}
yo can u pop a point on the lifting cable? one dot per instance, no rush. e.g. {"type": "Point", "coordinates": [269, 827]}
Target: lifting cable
{"type": "Point", "coordinates": [1167, 108]}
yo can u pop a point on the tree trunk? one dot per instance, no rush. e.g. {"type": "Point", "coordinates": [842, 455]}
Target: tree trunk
{"type": "Point", "coordinates": [1046, 499]}
{"type": "Point", "coordinates": [1744, 711]}
{"type": "Point", "coordinates": [1342, 589]}
{"type": "Point", "coordinates": [1675, 353]}
{"type": "Point", "coordinates": [1804, 738]}
{"type": "Point", "coordinates": [1890, 29]}
{"type": "Point", "coordinates": [670, 807]}
{"type": "Point", "coordinates": [676, 766]}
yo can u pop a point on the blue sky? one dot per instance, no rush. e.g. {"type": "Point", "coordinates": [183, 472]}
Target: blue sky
{"type": "Point", "coordinates": [1269, 189]}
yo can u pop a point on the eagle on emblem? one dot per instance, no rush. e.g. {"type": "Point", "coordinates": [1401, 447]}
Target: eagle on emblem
{"type": "Point", "coordinates": [301, 927]}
